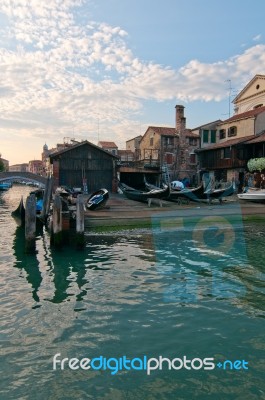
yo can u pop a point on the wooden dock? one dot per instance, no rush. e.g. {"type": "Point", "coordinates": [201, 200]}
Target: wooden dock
{"type": "Point", "coordinates": [121, 212]}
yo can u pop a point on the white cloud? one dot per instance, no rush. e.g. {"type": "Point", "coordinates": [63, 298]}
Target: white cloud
{"type": "Point", "coordinates": [257, 38]}
{"type": "Point", "coordinates": [57, 74]}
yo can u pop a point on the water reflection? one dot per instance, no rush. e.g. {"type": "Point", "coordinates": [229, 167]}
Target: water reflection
{"type": "Point", "coordinates": [27, 262]}
{"type": "Point", "coordinates": [205, 255]}
{"type": "Point", "coordinates": [182, 265]}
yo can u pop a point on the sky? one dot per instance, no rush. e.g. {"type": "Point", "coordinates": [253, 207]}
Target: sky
{"type": "Point", "coordinates": [107, 69]}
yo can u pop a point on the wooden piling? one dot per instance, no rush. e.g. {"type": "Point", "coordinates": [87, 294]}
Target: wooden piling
{"type": "Point", "coordinates": [47, 199]}
{"type": "Point", "coordinates": [80, 222]}
{"type": "Point", "coordinates": [30, 224]}
{"type": "Point", "coordinates": [57, 235]}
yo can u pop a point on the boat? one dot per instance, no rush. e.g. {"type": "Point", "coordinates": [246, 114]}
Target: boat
{"type": "Point", "coordinates": [97, 200]}
{"type": "Point", "coordinates": [219, 194]}
{"type": "Point", "coordinates": [139, 195]}
{"type": "Point", "coordinates": [19, 213]}
{"type": "Point", "coordinates": [200, 194]}
{"type": "Point", "coordinates": [122, 186]}
{"type": "Point", "coordinates": [252, 195]}
{"type": "Point", "coordinates": [194, 194]}
{"type": "Point", "coordinates": [5, 185]}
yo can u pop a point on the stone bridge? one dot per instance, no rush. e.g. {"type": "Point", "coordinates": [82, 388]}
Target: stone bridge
{"type": "Point", "coordinates": [22, 176]}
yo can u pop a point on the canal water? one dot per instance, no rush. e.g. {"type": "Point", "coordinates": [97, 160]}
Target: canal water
{"type": "Point", "coordinates": [192, 294]}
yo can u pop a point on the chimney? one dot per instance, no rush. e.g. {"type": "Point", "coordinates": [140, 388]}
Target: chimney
{"type": "Point", "coordinates": [180, 119]}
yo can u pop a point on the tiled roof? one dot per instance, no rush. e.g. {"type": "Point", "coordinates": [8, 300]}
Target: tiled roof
{"type": "Point", "coordinates": [244, 115]}
{"type": "Point", "coordinates": [206, 125]}
{"type": "Point", "coordinates": [189, 133]}
{"type": "Point", "coordinates": [136, 137]}
{"type": "Point", "coordinates": [85, 142]}
{"type": "Point", "coordinates": [257, 139]}
{"type": "Point", "coordinates": [163, 130]}
{"type": "Point", "coordinates": [120, 152]}
{"type": "Point", "coordinates": [227, 143]}
{"type": "Point", "coordinates": [107, 145]}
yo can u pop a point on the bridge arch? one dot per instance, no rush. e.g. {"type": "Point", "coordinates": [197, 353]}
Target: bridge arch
{"type": "Point", "coordinates": [22, 176]}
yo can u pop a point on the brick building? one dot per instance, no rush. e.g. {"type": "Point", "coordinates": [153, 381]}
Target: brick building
{"type": "Point", "coordinates": [171, 147]}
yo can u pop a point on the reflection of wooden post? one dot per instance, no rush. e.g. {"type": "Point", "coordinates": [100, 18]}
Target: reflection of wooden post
{"type": "Point", "coordinates": [80, 222]}
{"type": "Point", "coordinates": [30, 224]}
{"type": "Point", "coordinates": [57, 236]}
{"type": "Point", "coordinates": [47, 199]}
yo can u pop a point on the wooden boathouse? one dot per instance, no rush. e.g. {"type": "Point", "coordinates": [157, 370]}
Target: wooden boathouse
{"type": "Point", "coordinates": [84, 164]}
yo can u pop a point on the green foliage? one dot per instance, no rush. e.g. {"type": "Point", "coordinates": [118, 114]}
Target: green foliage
{"type": "Point", "coordinates": [256, 164]}
{"type": "Point", "coordinates": [2, 167]}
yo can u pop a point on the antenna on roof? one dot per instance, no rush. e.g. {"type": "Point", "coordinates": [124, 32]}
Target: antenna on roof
{"type": "Point", "coordinates": [229, 96]}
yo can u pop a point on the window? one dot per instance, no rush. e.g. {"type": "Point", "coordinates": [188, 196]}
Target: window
{"type": "Point", "coordinates": [205, 136]}
{"type": "Point", "coordinates": [232, 131]}
{"type": "Point", "coordinates": [151, 141]}
{"type": "Point", "coordinates": [169, 141]}
{"type": "Point", "coordinates": [169, 158]}
{"type": "Point", "coordinates": [240, 154]}
{"type": "Point", "coordinates": [213, 136]}
{"type": "Point", "coordinates": [192, 141]}
{"type": "Point", "coordinates": [192, 158]}
{"type": "Point", "coordinates": [222, 134]}
{"type": "Point", "coordinates": [226, 152]}
{"type": "Point", "coordinates": [258, 106]}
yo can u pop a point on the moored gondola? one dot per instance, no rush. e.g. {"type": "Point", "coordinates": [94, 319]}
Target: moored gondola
{"type": "Point", "coordinates": [142, 196]}
{"type": "Point", "coordinates": [19, 213]}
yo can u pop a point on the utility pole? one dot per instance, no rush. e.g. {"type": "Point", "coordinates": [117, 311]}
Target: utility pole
{"type": "Point", "coordinates": [229, 96]}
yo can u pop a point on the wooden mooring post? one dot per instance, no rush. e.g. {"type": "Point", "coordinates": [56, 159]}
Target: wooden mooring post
{"type": "Point", "coordinates": [47, 199]}
{"type": "Point", "coordinates": [57, 234]}
{"type": "Point", "coordinates": [80, 222]}
{"type": "Point", "coordinates": [30, 224]}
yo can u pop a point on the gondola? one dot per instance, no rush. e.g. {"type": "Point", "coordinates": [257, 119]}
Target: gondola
{"type": "Point", "coordinates": [200, 194]}
{"type": "Point", "coordinates": [193, 194]}
{"type": "Point", "coordinates": [122, 186]}
{"type": "Point", "coordinates": [19, 213]}
{"type": "Point", "coordinates": [218, 194]}
{"type": "Point", "coordinates": [142, 196]}
{"type": "Point", "coordinates": [97, 200]}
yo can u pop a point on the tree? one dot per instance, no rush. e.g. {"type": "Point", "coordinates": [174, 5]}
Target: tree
{"type": "Point", "coordinates": [256, 164]}
{"type": "Point", "coordinates": [2, 166]}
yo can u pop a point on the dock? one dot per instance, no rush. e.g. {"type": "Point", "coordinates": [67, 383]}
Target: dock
{"type": "Point", "coordinates": [122, 213]}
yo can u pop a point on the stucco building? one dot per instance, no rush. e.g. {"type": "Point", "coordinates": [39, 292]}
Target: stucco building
{"type": "Point", "coordinates": [111, 147]}
{"type": "Point", "coordinates": [134, 146]}
{"type": "Point", "coordinates": [240, 137]}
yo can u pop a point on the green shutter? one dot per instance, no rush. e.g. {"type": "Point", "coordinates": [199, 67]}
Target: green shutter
{"type": "Point", "coordinates": [213, 136]}
{"type": "Point", "coordinates": [205, 136]}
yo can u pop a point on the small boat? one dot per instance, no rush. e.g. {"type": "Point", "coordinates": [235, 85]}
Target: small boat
{"type": "Point", "coordinates": [5, 185]}
{"type": "Point", "coordinates": [97, 200]}
{"type": "Point", "coordinates": [19, 213]}
{"type": "Point", "coordinates": [142, 196]}
{"type": "Point", "coordinates": [252, 195]}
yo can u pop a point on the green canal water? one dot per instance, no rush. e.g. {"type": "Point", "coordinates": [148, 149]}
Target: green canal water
{"type": "Point", "coordinates": [182, 290]}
